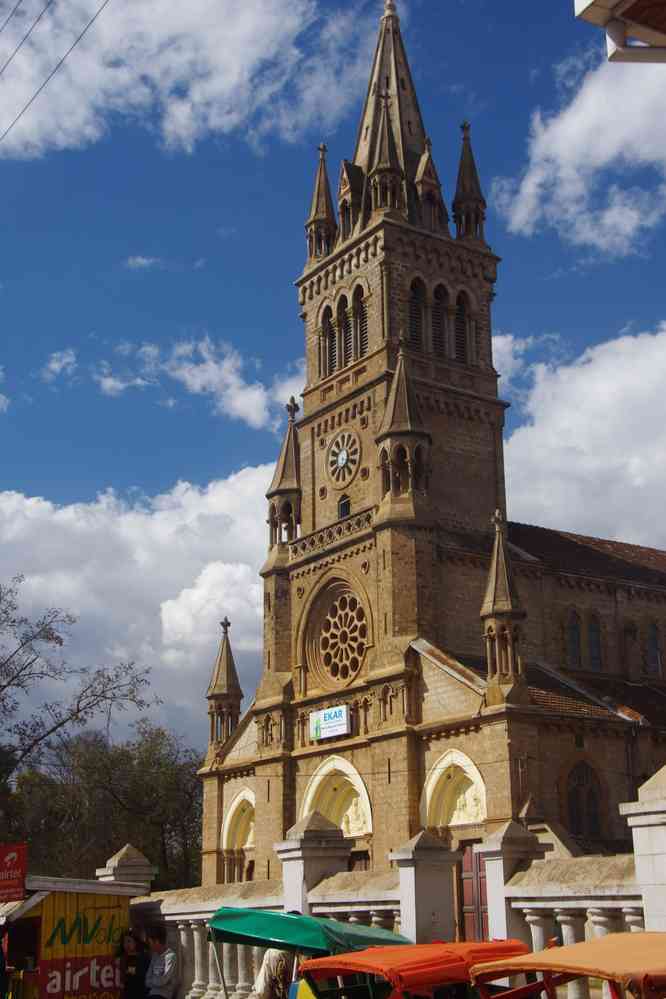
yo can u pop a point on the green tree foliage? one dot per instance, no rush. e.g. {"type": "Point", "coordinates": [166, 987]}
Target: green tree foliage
{"type": "Point", "coordinates": [90, 796]}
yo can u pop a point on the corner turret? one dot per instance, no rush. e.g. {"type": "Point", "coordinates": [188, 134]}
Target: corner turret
{"type": "Point", "coordinates": [502, 615]}
{"type": "Point", "coordinates": [224, 692]}
{"type": "Point", "coordinates": [469, 204]}
{"type": "Point", "coordinates": [321, 226]}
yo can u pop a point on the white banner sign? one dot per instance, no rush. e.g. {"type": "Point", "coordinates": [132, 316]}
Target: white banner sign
{"type": "Point", "coordinates": [329, 722]}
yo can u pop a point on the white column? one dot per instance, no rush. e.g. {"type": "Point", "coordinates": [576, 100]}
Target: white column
{"type": "Point", "coordinates": [257, 959]}
{"type": "Point", "coordinates": [633, 918]}
{"type": "Point", "coordinates": [214, 989]}
{"type": "Point", "coordinates": [245, 983]}
{"type": "Point", "coordinates": [200, 961]}
{"type": "Point", "coordinates": [572, 923]}
{"type": "Point", "coordinates": [540, 922]}
{"type": "Point", "coordinates": [230, 967]}
{"type": "Point", "coordinates": [186, 954]}
{"type": "Point", "coordinates": [379, 919]}
{"type": "Point", "coordinates": [396, 920]}
{"type": "Point", "coordinates": [604, 921]}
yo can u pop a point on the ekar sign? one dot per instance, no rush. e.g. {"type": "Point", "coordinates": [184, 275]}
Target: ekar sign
{"type": "Point", "coordinates": [329, 723]}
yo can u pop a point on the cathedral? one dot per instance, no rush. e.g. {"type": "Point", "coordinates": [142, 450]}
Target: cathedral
{"type": "Point", "coordinates": [427, 662]}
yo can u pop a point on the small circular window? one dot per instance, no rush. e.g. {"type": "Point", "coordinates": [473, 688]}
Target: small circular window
{"type": "Point", "coordinates": [343, 457]}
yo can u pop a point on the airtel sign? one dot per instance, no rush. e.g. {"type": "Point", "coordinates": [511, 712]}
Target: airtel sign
{"type": "Point", "coordinates": [13, 870]}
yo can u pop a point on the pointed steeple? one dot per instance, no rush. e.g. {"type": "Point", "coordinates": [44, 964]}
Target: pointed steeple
{"type": "Point", "coordinates": [469, 204]}
{"type": "Point", "coordinates": [287, 476]}
{"type": "Point", "coordinates": [402, 416]}
{"type": "Point", "coordinates": [501, 594]}
{"type": "Point", "coordinates": [321, 226]}
{"type": "Point", "coordinates": [284, 493]}
{"type": "Point", "coordinates": [224, 691]}
{"type": "Point", "coordinates": [429, 189]}
{"type": "Point", "coordinates": [391, 75]}
{"type": "Point", "coordinates": [502, 613]}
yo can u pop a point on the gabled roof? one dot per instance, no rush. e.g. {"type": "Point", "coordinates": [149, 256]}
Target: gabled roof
{"type": "Point", "coordinates": [402, 414]}
{"type": "Point", "coordinates": [287, 476]}
{"type": "Point", "coordinates": [386, 153]}
{"type": "Point", "coordinates": [501, 597]}
{"type": "Point", "coordinates": [468, 188]}
{"type": "Point", "coordinates": [224, 680]}
{"type": "Point", "coordinates": [391, 74]}
{"type": "Point", "coordinates": [321, 209]}
{"type": "Point", "coordinates": [427, 171]}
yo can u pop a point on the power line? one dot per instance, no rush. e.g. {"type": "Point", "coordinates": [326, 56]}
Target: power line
{"type": "Point", "coordinates": [26, 36]}
{"type": "Point", "coordinates": [54, 70]}
{"type": "Point", "coordinates": [10, 15]}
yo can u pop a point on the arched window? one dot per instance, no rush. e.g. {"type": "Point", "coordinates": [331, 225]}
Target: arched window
{"type": "Point", "coordinates": [653, 649]}
{"type": "Point", "coordinates": [400, 471]}
{"type": "Point", "coordinates": [462, 319]}
{"type": "Point", "coordinates": [574, 657]}
{"type": "Point", "coordinates": [439, 306]}
{"type": "Point", "coordinates": [419, 469]}
{"type": "Point", "coordinates": [346, 332]}
{"type": "Point", "coordinates": [345, 219]}
{"type": "Point", "coordinates": [584, 802]}
{"type": "Point", "coordinates": [331, 340]}
{"type": "Point", "coordinates": [386, 472]}
{"type": "Point", "coordinates": [361, 322]}
{"type": "Point", "coordinates": [417, 302]}
{"type": "Point", "coordinates": [594, 642]}
{"type": "Point", "coordinates": [344, 507]}
{"type": "Point", "coordinates": [286, 523]}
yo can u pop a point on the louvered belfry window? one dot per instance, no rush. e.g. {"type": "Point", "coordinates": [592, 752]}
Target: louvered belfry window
{"type": "Point", "coordinates": [439, 322]}
{"type": "Point", "coordinates": [360, 323]}
{"type": "Point", "coordinates": [416, 315]}
{"type": "Point", "coordinates": [346, 333]}
{"type": "Point", "coordinates": [462, 353]}
{"type": "Point", "coordinates": [330, 335]}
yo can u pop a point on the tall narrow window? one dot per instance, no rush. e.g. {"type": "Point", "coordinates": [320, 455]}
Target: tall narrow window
{"type": "Point", "coordinates": [439, 321]}
{"type": "Point", "coordinates": [462, 316]}
{"type": "Point", "coordinates": [584, 802]}
{"type": "Point", "coordinates": [344, 507]}
{"type": "Point", "coordinates": [573, 641]}
{"type": "Point", "coordinates": [345, 219]}
{"type": "Point", "coordinates": [346, 333]}
{"type": "Point", "coordinates": [417, 300]}
{"type": "Point", "coordinates": [594, 643]}
{"type": "Point", "coordinates": [418, 467]}
{"type": "Point", "coordinates": [361, 322]}
{"type": "Point", "coordinates": [330, 337]}
{"type": "Point", "coordinates": [386, 479]}
{"type": "Point", "coordinates": [653, 650]}
{"type": "Point", "coordinates": [400, 471]}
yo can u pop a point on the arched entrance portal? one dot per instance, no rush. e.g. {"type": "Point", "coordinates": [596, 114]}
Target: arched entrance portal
{"type": "Point", "coordinates": [337, 791]}
{"type": "Point", "coordinates": [453, 804]}
{"type": "Point", "coordinates": [237, 839]}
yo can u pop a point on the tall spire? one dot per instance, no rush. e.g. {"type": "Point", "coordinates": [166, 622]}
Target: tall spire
{"type": "Point", "coordinates": [469, 204]}
{"type": "Point", "coordinates": [501, 613]}
{"type": "Point", "coordinates": [321, 226]}
{"type": "Point", "coordinates": [391, 74]}
{"type": "Point", "coordinates": [402, 415]}
{"type": "Point", "coordinates": [287, 476]}
{"type": "Point", "coordinates": [224, 680]}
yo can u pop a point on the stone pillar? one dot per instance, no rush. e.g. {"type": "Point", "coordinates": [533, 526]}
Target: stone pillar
{"type": "Point", "coordinates": [315, 849]}
{"type": "Point", "coordinates": [604, 921]}
{"type": "Point", "coordinates": [633, 918]}
{"type": "Point", "coordinates": [200, 982]}
{"type": "Point", "coordinates": [503, 851]}
{"type": "Point", "coordinates": [230, 968]}
{"type": "Point", "coordinates": [427, 910]}
{"type": "Point", "coordinates": [572, 924]}
{"type": "Point", "coordinates": [380, 919]}
{"type": "Point", "coordinates": [540, 922]}
{"type": "Point", "coordinates": [214, 989]}
{"type": "Point", "coordinates": [245, 983]}
{"type": "Point", "coordinates": [186, 954]}
{"type": "Point", "coordinates": [128, 866]}
{"type": "Point", "coordinates": [647, 820]}
{"type": "Point", "coordinates": [257, 959]}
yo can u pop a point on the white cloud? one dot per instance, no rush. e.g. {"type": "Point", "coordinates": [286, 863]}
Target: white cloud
{"type": "Point", "coordinates": [115, 385]}
{"type": "Point", "coordinates": [185, 70]}
{"type": "Point", "coordinates": [290, 384]}
{"type": "Point", "coordinates": [4, 403]}
{"type": "Point", "coordinates": [139, 263]}
{"type": "Point", "coordinates": [151, 579]}
{"type": "Point", "coordinates": [578, 178]}
{"type": "Point", "coordinates": [592, 455]}
{"type": "Point", "coordinates": [61, 362]}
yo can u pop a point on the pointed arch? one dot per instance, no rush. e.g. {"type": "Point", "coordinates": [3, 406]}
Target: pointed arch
{"type": "Point", "coordinates": [330, 341]}
{"type": "Point", "coordinates": [574, 651]}
{"type": "Point", "coordinates": [594, 643]}
{"type": "Point", "coordinates": [360, 322]}
{"type": "Point", "coordinates": [439, 308]}
{"type": "Point", "coordinates": [462, 328]}
{"type": "Point", "coordinates": [385, 466]}
{"type": "Point", "coordinates": [337, 791]}
{"type": "Point", "coordinates": [238, 826]}
{"type": "Point", "coordinates": [584, 802]}
{"type": "Point", "coordinates": [346, 341]}
{"type": "Point", "coordinates": [454, 792]}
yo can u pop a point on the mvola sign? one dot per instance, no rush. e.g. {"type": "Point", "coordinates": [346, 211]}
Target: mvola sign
{"type": "Point", "coordinates": [329, 723]}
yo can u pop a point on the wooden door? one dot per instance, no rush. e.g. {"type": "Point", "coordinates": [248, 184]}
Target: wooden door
{"type": "Point", "coordinates": [472, 895]}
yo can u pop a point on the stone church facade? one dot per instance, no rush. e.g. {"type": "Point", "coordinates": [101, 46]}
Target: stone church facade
{"type": "Point", "coordinates": [472, 670]}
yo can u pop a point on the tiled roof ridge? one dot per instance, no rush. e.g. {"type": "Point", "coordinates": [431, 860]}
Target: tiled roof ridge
{"type": "Point", "coordinates": [587, 537]}
{"type": "Point", "coordinates": [626, 714]}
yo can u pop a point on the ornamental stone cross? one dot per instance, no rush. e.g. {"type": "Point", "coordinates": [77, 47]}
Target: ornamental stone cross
{"type": "Point", "coordinates": [225, 624]}
{"type": "Point", "coordinates": [292, 409]}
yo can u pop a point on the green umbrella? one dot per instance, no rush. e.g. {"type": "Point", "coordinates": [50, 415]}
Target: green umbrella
{"type": "Point", "coordinates": [309, 935]}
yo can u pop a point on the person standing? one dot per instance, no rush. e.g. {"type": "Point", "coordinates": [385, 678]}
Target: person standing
{"type": "Point", "coordinates": [134, 966]}
{"type": "Point", "coordinates": [274, 976]}
{"type": "Point", "coordinates": [162, 974]}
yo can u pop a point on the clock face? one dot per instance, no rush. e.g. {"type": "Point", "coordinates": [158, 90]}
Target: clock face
{"type": "Point", "coordinates": [344, 456]}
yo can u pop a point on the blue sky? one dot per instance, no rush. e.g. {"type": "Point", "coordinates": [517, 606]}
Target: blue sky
{"type": "Point", "coordinates": [154, 199]}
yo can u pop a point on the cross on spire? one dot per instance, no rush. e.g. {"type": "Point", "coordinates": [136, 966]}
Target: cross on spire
{"type": "Point", "coordinates": [225, 624]}
{"type": "Point", "coordinates": [498, 520]}
{"type": "Point", "coordinates": [323, 149]}
{"type": "Point", "coordinates": [390, 7]}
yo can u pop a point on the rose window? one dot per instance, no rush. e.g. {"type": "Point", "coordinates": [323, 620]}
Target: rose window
{"type": "Point", "coordinates": [343, 638]}
{"type": "Point", "coordinates": [343, 458]}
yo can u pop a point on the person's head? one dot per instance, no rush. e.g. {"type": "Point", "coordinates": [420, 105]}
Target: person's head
{"type": "Point", "coordinates": [131, 943]}
{"type": "Point", "coordinates": [156, 938]}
